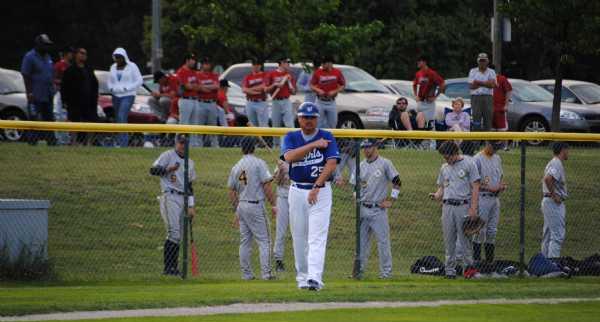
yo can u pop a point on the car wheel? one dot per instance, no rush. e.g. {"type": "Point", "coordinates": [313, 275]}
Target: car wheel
{"type": "Point", "coordinates": [349, 121]}
{"type": "Point", "coordinates": [535, 124]}
{"type": "Point", "coordinates": [12, 135]}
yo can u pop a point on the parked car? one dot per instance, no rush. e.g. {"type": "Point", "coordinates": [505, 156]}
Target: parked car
{"type": "Point", "coordinates": [404, 88]}
{"type": "Point", "coordinates": [530, 109]}
{"type": "Point", "coordinates": [13, 103]}
{"type": "Point", "coordinates": [365, 102]}
{"type": "Point", "coordinates": [573, 91]}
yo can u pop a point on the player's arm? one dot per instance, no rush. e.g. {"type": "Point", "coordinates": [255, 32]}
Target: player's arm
{"type": "Point", "coordinates": [270, 197]}
{"type": "Point", "coordinates": [233, 198]}
{"type": "Point", "coordinates": [396, 184]}
{"type": "Point", "coordinates": [474, 199]}
{"type": "Point", "coordinates": [299, 153]}
{"type": "Point", "coordinates": [473, 83]}
{"type": "Point", "coordinates": [438, 194]}
{"type": "Point", "coordinates": [549, 180]}
{"type": "Point", "coordinates": [328, 170]}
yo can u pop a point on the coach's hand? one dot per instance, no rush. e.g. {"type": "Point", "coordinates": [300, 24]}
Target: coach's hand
{"type": "Point", "coordinates": [191, 212]}
{"type": "Point", "coordinates": [313, 195]}
{"type": "Point", "coordinates": [321, 143]}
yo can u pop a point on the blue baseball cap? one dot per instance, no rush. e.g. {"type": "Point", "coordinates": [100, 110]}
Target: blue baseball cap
{"type": "Point", "coordinates": [308, 109]}
{"type": "Point", "coordinates": [369, 143]}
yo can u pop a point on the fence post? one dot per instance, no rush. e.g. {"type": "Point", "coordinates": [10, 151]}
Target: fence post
{"type": "Point", "coordinates": [186, 190]}
{"type": "Point", "coordinates": [356, 273]}
{"type": "Point", "coordinates": [522, 212]}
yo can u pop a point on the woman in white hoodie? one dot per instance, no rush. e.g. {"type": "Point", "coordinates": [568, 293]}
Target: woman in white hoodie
{"type": "Point", "coordinates": [123, 82]}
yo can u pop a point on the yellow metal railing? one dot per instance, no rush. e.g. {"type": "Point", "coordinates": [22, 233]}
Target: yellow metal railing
{"type": "Point", "coordinates": [258, 131]}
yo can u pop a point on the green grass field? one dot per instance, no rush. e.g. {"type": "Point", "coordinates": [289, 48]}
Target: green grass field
{"type": "Point", "coordinates": [105, 224]}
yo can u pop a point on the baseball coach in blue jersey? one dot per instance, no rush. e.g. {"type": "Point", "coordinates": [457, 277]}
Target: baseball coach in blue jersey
{"type": "Point", "coordinates": [312, 155]}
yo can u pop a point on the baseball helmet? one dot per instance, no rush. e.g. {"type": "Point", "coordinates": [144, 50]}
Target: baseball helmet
{"type": "Point", "coordinates": [308, 109]}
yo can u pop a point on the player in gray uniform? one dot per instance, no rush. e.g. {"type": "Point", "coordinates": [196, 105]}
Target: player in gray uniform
{"type": "Point", "coordinates": [282, 180]}
{"type": "Point", "coordinates": [554, 187]}
{"type": "Point", "coordinates": [489, 165]}
{"type": "Point", "coordinates": [458, 190]}
{"type": "Point", "coordinates": [249, 183]}
{"type": "Point", "coordinates": [169, 167]}
{"type": "Point", "coordinates": [376, 173]}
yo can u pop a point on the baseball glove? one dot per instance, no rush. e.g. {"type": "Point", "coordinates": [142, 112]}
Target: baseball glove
{"type": "Point", "coordinates": [472, 226]}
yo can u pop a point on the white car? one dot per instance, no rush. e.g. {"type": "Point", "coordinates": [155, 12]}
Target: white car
{"type": "Point", "coordinates": [404, 88]}
{"type": "Point", "coordinates": [364, 104]}
{"type": "Point", "coordinates": [573, 91]}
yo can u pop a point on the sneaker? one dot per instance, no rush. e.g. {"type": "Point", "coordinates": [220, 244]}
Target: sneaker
{"type": "Point", "coordinates": [148, 145]}
{"type": "Point", "coordinates": [279, 267]}
{"type": "Point", "coordinates": [172, 272]}
{"type": "Point", "coordinates": [471, 272]}
{"type": "Point", "coordinates": [313, 285]}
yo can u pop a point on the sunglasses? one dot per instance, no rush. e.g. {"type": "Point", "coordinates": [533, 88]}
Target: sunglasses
{"type": "Point", "coordinates": [401, 103]}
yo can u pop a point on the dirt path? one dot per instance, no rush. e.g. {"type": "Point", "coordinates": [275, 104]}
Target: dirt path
{"type": "Point", "coordinates": [273, 307]}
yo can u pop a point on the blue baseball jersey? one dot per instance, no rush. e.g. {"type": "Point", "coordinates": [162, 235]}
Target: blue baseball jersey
{"type": "Point", "coordinates": [309, 169]}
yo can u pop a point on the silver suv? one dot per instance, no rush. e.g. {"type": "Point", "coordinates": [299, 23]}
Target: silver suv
{"type": "Point", "coordinates": [364, 104]}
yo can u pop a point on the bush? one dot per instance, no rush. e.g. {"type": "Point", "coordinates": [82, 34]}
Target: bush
{"type": "Point", "coordinates": [27, 267]}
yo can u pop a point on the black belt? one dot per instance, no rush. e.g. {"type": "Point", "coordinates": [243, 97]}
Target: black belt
{"type": "Point", "coordinates": [280, 98]}
{"type": "Point", "coordinates": [175, 192]}
{"type": "Point", "coordinates": [370, 205]}
{"type": "Point", "coordinates": [547, 195]}
{"type": "Point", "coordinates": [189, 97]}
{"type": "Point", "coordinates": [206, 101]}
{"type": "Point", "coordinates": [328, 99]}
{"type": "Point", "coordinates": [305, 186]}
{"type": "Point", "coordinates": [256, 100]}
{"type": "Point", "coordinates": [455, 202]}
{"type": "Point", "coordinates": [251, 201]}
{"type": "Point", "coordinates": [488, 194]}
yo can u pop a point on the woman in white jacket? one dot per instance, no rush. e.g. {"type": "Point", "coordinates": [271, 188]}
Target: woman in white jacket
{"type": "Point", "coordinates": [123, 82]}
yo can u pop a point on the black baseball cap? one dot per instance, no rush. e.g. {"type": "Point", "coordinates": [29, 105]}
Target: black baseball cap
{"type": "Point", "coordinates": [224, 83]}
{"type": "Point", "coordinates": [449, 148]}
{"type": "Point", "coordinates": [191, 56]}
{"type": "Point", "coordinates": [558, 146]}
{"type": "Point", "coordinates": [158, 75]}
{"type": "Point", "coordinates": [43, 39]}
{"type": "Point", "coordinates": [284, 60]}
{"type": "Point", "coordinates": [180, 138]}
{"type": "Point", "coordinates": [327, 59]}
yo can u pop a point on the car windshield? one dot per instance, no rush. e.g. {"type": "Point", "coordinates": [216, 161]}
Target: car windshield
{"type": "Point", "coordinates": [11, 82]}
{"type": "Point", "coordinates": [357, 80]}
{"type": "Point", "coordinates": [528, 92]}
{"type": "Point", "coordinates": [589, 93]}
{"type": "Point", "coordinates": [403, 89]}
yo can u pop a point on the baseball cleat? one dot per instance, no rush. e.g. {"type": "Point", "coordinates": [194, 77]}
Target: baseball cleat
{"type": "Point", "coordinates": [313, 285]}
{"type": "Point", "coordinates": [279, 267]}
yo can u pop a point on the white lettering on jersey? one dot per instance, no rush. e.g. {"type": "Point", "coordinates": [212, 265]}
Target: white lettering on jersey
{"type": "Point", "coordinates": [255, 81]}
{"type": "Point", "coordinates": [314, 157]}
{"type": "Point", "coordinates": [327, 79]}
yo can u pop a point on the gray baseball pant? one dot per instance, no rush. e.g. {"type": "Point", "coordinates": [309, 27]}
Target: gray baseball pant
{"type": "Point", "coordinates": [254, 225]}
{"type": "Point", "coordinates": [489, 211]}
{"type": "Point", "coordinates": [283, 220]}
{"type": "Point", "coordinates": [482, 107]}
{"type": "Point", "coordinates": [171, 212]}
{"type": "Point", "coordinates": [453, 218]}
{"type": "Point", "coordinates": [554, 227]}
{"type": "Point", "coordinates": [345, 160]}
{"type": "Point", "coordinates": [375, 221]}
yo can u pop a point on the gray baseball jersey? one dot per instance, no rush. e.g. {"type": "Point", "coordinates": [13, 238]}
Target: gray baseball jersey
{"type": "Point", "coordinates": [456, 179]}
{"type": "Point", "coordinates": [555, 169]}
{"type": "Point", "coordinates": [374, 178]}
{"type": "Point", "coordinates": [174, 180]}
{"type": "Point", "coordinates": [490, 169]}
{"type": "Point", "coordinates": [248, 176]}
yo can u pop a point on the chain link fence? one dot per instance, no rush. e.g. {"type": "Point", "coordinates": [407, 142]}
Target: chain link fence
{"type": "Point", "coordinates": [104, 220]}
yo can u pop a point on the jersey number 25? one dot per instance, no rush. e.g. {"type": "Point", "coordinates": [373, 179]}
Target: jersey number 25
{"type": "Point", "coordinates": [315, 171]}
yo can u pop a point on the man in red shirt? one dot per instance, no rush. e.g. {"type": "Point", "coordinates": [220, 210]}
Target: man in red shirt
{"type": "Point", "coordinates": [188, 102]}
{"type": "Point", "coordinates": [254, 86]}
{"type": "Point", "coordinates": [160, 101]}
{"type": "Point", "coordinates": [208, 88]}
{"type": "Point", "coordinates": [226, 116]}
{"type": "Point", "coordinates": [327, 82]}
{"type": "Point", "coordinates": [60, 113]}
{"type": "Point", "coordinates": [427, 85]}
{"type": "Point", "coordinates": [281, 84]}
{"type": "Point", "coordinates": [502, 94]}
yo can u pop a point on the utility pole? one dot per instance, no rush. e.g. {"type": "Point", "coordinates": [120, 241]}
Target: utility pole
{"type": "Point", "coordinates": [156, 41]}
{"type": "Point", "coordinates": [497, 38]}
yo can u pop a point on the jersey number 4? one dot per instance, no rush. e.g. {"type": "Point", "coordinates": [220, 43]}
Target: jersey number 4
{"type": "Point", "coordinates": [315, 171]}
{"type": "Point", "coordinates": [243, 178]}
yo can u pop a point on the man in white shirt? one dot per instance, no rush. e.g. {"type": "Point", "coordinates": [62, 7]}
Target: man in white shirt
{"type": "Point", "coordinates": [482, 81]}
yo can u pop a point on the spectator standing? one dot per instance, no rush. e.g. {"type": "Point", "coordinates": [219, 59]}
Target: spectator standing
{"type": "Point", "coordinates": [482, 81]}
{"type": "Point", "coordinates": [304, 81]}
{"type": "Point", "coordinates": [161, 100]}
{"type": "Point", "coordinates": [79, 91]}
{"type": "Point", "coordinates": [502, 95]}
{"type": "Point", "coordinates": [427, 85]}
{"type": "Point", "coordinates": [327, 82]}
{"type": "Point", "coordinates": [123, 83]}
{"type": "Point", "coordinates": [188, 102]}
{"type": "Point", "coordinates": [38, 76]}
{"type": "Point", "coordinates": [208, 90]}
{"type": "Point", "coordinates": [225, 116]}
{"type": "Point", "coordinates": [281, 84]}
{"type": "Point", "coordinates": [60, 113]}
{"type": "Point", "coordinates": [254, 86]}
